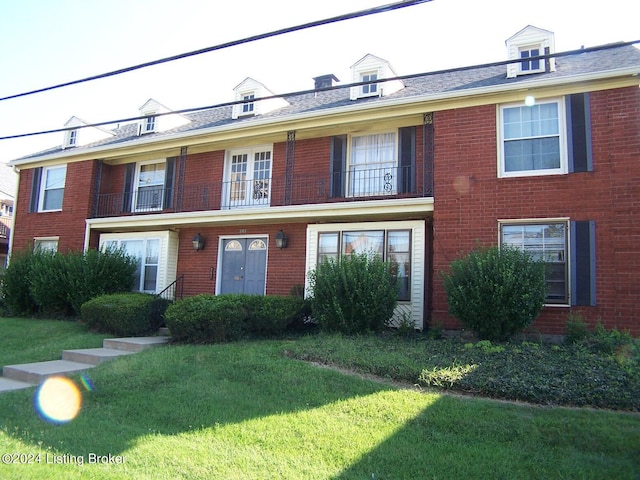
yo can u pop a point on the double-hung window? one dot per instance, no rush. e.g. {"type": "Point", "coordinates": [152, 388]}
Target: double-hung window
{"type": "Point", "coordinates": [149, 124]}
{"type": "Point", "coordinates": [532, 139]}
{"type": "Point", "coordinates": [147, 253]}
{"type": "Point", "coordinates": [393, 246]}
{"type": "Point", "coordinates": [530, 66]}
{"type": "Point", "coordinates": [373, 165]}
{"type": "Point", "coordinates": [149, 184]}
{"type": "Point", "coordinates": [547, 242]}
{"type": "Point", "coordinates": [369, 89]}
{"type": "Point", "coordinates": [52, 188]}
{"type": "Point", "coordinates": [248, 106]}
{"type": "Point", "coordinates": [48, 244]}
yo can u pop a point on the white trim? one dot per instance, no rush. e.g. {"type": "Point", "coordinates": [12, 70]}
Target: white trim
{"type": "Point", "coordinates": [225, 201]}
{"type": "Point", "coordinates": [562, 139]}
{"type": "Point", "coordinates": [37, 240]}
{"type": "Point", "coordinates": [136, 185]}
{"type": "Point", "coordinates": [349, 164]}
{"type": "Point", "coordinates": [42, 186]}
{"type": "Point", "coordinates": [222, 238]}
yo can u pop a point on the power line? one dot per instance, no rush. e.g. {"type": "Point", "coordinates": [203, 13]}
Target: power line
{"type": "Point", "coordinates": [336, 87]}
{"type": "Point", "coordinates": [316, 23]}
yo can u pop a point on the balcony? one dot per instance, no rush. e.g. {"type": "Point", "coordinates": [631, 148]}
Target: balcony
{"type": "Point", "coordinates": [346, 186]}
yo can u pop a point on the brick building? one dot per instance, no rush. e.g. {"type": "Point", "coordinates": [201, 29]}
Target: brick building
{"type": "Point", "coordinates": [540, 152]}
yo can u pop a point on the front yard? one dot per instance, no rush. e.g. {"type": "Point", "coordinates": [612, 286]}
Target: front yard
{"type": "Point", "coordinates": [254, 409]}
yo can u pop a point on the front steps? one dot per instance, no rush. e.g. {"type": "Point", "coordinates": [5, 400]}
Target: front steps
{"type": "Point", "coordinates": [16, 377]}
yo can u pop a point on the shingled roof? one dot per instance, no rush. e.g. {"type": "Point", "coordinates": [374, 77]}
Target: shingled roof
{"type": "Point", "coordinates": [598, 62]}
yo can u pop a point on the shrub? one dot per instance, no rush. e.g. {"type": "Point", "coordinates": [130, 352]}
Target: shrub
{"type": "Point", "coordinates": [275, 314]}
{"type": "Point", "coordinates": [496, 292]}
{"type": "Point", "coordinates": [122, 313]}
{"type": "Point", "coordinates": [50, 279]}
{"type": "Point", "coordinates": [207, 318]}
{"type": "Point", "coordinates": [15, 284]}
{"type": "Point", "coordinates": [355, 294]}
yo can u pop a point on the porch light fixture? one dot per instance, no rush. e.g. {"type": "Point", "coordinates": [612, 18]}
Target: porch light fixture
{"type": "Point", "coordinates": [198, 242]}
{"type": "Point", "coordinates": [281, 240]}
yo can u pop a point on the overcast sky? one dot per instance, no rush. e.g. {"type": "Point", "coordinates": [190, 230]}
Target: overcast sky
{"type": "Point", "coordinates": [44, 42]}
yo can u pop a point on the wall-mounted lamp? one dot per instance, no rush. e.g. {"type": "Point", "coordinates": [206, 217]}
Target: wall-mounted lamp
{"type": "Point", "coordinates": [281, 239]}
{"type": "Point", "coordinates": [198, 242]}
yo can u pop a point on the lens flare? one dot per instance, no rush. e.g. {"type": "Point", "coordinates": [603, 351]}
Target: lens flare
{"type": "Point", "coordinates": [87, 383]}
{"type": "Point", "coordinates": [58, 400]}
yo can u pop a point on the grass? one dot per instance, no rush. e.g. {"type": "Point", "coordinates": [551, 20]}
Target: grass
{"type": "Point", "coordinates": [26, 340]}
{"type": "Point", "coordinates": [248, 410]}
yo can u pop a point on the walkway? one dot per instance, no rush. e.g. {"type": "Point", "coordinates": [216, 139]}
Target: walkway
{"type": "Point", "coordinates": [16, 377]}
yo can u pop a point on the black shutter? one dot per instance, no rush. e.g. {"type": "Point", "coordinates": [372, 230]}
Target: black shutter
{"type": "Point", "coordinates": [583, 263]}
{"type": "Point", "coordinates": [127, 196]}
{"type": "Point", "coordinates": [579, 133]}
{"type": "Point", "coordinates": [34, 199]}
{"type": "Point", "coordinates": [169, 175]}
{"type": "Point", "coordinates": [338, 164]}
{"type": "Point", "coordinates": [407, 159]}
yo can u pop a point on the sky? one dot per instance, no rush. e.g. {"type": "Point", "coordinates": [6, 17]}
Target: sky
{"type": "Point", "coordinates": [45, 42]}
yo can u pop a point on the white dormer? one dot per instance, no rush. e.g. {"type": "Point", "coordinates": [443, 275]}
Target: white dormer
{"type": "Point", "coordinates": [153, 122]}
{"type": "Point", "coordinates": [370, 68]}
{"type": "Point", "coordinates": [530, 42]}
{"type": "Point", "coordinates": [82, 136]}
{"type": "Point", "coordinates": [249, 91]}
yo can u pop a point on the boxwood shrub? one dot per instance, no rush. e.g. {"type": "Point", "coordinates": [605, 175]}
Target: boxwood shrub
{"type": "Point", "coordinates": [124, 314]}
{"type": "Point", "coordinates": [210, 318]}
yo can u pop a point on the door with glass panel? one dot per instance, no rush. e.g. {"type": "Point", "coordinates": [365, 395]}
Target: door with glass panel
{"type": "Point", "coordinates": [248, 179]}
{"type": "Point", "coordinates": [243, 266]}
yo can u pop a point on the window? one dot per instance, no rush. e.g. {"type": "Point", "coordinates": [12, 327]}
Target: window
{"type": "Point", "coordinates": [530, 66]}
{"type": "Point", "coordinates": [147, 252]}
{"type": "Point", "coordinates": [533, 139]}
{"type": "Point", "coordinates": [149, 124]}
{"type": "Point", "coordinates": [372, 88]}
{"type": "Point", "coordinates": [391, 245]}
{"type": "Point", "coordinates": [248, 178]}
{"type": "Point", "coordinates": [372, 165]}
{"type": "Point", "coordinates": [548, 242]}
{"type": "Point", "coordinates": [149, 186]}
{"type": "Point", "coordinates": [72, 139]}
{"type": "Point", "coordinates": [52, 188]}
{"type": "Point", "coordinates": [45, 244]}
{"type": "Point", "coordinates": [247, 108]}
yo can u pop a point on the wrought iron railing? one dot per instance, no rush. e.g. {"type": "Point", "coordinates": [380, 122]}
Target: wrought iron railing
{"type": "Point", "coordinates": [173, 291]}
{"type": "Point", "coordinates": [357, 183]}
{"type": "Point", "coordinates": [4, 231]}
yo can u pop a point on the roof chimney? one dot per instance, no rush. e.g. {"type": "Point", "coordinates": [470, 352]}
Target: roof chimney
{"type": "Point", "coordinates": [325, 81]}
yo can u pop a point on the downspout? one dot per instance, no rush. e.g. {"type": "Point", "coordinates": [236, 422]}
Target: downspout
{"type": "Point", "coordinates": [87, 235]}
{"type": "Point", "coordinates": [13, 217]}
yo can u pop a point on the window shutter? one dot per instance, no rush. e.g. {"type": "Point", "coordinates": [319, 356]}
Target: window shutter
{"type": "Point", "coordinates": [127, 196]}
{"type": "Point", "coordinates": [407, 160]}
{"type": "Point", "coordinates": [169, 175]}
{"type": "Point", "coordinates": [338, 164]}
{"type": "Point", "coordinates": [583, 263]}
{"type": "Point", "coordinates": [579, 133]}
{"type": "Point", "coordinates": [34, 199]}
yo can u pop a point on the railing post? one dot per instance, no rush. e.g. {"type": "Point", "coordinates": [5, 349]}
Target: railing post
{"type": "Point", "coordinates": [427, 154]}
{"type": "Point", "coordinates": [291, 153]}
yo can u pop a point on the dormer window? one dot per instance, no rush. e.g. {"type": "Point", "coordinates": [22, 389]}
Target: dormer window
{"type": "Point", "coordinates": [528, 43]}
{"type": "Point", "coordinates": [371, 88]}
{"type": "Point", "coordinates": [72, 139]}
{"type": "Point", "coordinates": [248, 107]}
{"type": "Point", "coordinates": [149, 124]}
{"type": "Point", "coordinates": [530, 65]}
{"type": "Point", "coordinates": [155, 117]}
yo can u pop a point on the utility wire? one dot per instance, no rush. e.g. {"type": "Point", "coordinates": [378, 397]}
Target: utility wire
{"type": "Point", "coordinates": [336, 87]}
{"type": "Point", "coordinates": [316, 23]}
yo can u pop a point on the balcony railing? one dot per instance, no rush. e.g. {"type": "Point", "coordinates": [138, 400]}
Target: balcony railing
{"type": "Point", "coordinates": [352, 185]}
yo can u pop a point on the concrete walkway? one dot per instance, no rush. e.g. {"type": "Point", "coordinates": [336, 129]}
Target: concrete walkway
{"type": "Point", "coordinates": [16, 377]}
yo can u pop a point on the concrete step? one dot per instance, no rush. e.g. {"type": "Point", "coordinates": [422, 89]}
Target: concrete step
{"type": "Point", "coordinates": [93, 356]}
{"type": "Point", "coordinates": [134, 344]}
{"type": "Point", "coordinates": [36, 373]}
{"type": "Point", "coordinates": [8, 385]}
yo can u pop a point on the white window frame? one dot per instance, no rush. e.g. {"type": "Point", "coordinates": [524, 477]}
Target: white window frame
{"type": "Point", "coordinates": [254, 194]}
{"type": "Point", "coordinates": [46, 244]}
{"type": "Point", "coordinates": [141, 273]}
{"type": "Point", "coordinates": [351, 177]}
{"type": "Point", "coordinates": [248, 108]}
{"type": "Point", "coordinates": [71, 139]}
{"type": "Point", "coordinates": [562, 143]}
{"type": "Point", "coordinates": [372, 89]}
{"type": "Point", "coordinates": [136, 186]}
{"type": "Point", "coordinates": [149, 124]}
{"type": "Point", "coordinates": [567, 247]}
{"type": "Point", "coordinates": [44, 189]}
{"type": "Point", "coordinates": [528, 49]}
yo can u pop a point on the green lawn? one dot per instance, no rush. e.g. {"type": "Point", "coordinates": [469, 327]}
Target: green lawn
{"type": "Point", "coordinates": [248, 410]}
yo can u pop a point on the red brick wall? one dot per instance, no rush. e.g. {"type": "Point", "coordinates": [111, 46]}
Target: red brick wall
{"type": "Point", "coordinates": [68, 224]}
{"type": "Point", "coordinates": [469, 200]}
{"type": "Point", "coordinates": [285, 268]}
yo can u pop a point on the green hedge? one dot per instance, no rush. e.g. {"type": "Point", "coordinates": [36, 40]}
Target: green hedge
{"type": "Point", "coordinates": [124, 314]}
{"type": "Point", "coordinates": [209, 318]}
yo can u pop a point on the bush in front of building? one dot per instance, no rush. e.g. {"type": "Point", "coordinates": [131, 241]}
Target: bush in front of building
{"type": "Point", "coordinates": [354, 294]}
{"type": "Point", "coordinates": [207, 318]}
{"type": "Point", "coordinates": [124, 313]}
{"type": "Point", "coordinates": [57, 284]}
{"type": "Point", "coordinates": [496, 292]}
